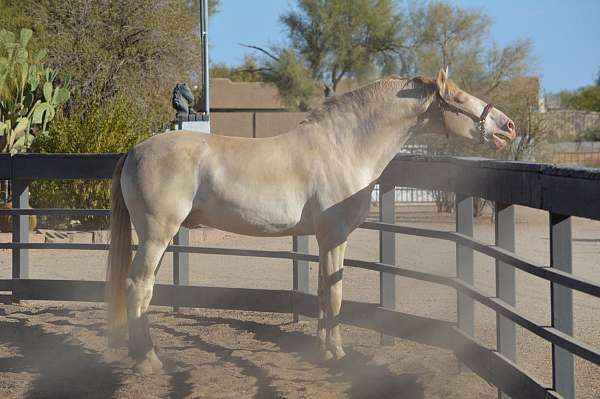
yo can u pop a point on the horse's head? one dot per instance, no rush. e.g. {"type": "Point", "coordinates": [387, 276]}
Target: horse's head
{"type": "Point", "coordinates": [461, 114]}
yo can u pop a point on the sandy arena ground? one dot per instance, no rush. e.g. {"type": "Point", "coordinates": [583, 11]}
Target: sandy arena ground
{"type": "Point", "coordinates": [57, 350]}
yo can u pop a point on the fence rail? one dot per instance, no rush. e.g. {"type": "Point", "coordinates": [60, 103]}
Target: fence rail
{"type": "Point", "coordinates": [564, 192]}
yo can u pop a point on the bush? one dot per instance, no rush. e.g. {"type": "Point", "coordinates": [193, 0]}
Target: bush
{"type": "Point", "coordinates": [589, 135]}
{"type": "Point", "coordinates": [112, 126]}
{"type": "Point", "coordinates": [583, 99]}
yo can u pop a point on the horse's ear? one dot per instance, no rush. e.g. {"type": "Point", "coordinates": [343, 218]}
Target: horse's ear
{"type": "Point", "coordinates": [441, 80]}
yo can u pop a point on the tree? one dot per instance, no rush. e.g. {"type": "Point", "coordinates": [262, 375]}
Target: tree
{"type": "Point", "coordinates": [457, 37]}
{"type": "Point", "coordinates": [12, 16]}
{"type": "Point", "coordinates": [341, 38]}
{"type": "Point", "coordinates": [248, 71]}
{"type": "Point", "coordinates": [584, 99]}
{"type": "Point", "coordinates": [194, 6]}
{"type": "Point", "coordinates": [292, 78]}
{"type": "Point", "coordinates": [136, 48]}
{"type": "Point", "coordinates": [286, 70]}
{"type": "Point", "coordinates": [329, 41]}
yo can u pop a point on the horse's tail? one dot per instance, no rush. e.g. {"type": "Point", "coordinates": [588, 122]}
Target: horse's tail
{"type": "Point", "coordinates": [119, 259]}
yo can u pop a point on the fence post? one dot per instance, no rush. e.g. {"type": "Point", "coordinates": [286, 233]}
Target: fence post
{"type": "Point", "coordinates": [387, 253]}
{"type": "Point", "coordinates": [300, 271]}
{"type": "Point", "coordinates": [20, 230]}
{"type": "Point", "coordinates": [464, 263]}
{"type": "Point", "coordinates": [181, 260]}
{"type": "Point", "coordinates": [506, 333]}
{"type": "Point", "coordinates": [563, 364]}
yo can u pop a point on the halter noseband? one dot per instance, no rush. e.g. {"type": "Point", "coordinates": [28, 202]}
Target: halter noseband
{"type": "Point", "coordinates": [479, 120]}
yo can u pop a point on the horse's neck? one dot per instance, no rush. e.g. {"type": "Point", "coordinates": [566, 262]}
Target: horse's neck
{"type": "Point", "coordinates": [371, 140]}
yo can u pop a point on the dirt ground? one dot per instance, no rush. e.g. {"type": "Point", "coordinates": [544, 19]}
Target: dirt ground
{"type": "Point", "coordinates": [52, 350]}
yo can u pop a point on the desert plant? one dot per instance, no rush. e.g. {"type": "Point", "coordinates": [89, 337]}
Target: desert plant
{"type": "Point", "coordinates": [104, 126]}
{"type": "Point", "coordinates": [29, 96]}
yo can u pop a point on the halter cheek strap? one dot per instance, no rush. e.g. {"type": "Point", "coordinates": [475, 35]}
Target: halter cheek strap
{"type": "Point", "coordinates": [485, 136]}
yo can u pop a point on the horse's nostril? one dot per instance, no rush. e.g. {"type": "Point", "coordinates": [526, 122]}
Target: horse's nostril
{"type": "Point", "coordinates": [510, 125]}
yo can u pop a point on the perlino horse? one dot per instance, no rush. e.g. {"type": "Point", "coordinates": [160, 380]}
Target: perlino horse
{"type": "Point", "coordinates": [314, 180]}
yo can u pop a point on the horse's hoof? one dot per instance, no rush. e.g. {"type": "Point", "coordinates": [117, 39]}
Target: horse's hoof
{"type": "Point", "coordinates": [154, 360]}
{"type": "Point", "coordinates": [143, 367]}
{"type": "Point", "coordinates": [150, 364]}
{"type": "Point", "coordinates": [339, 354]}
{"type": "Point", "coordinates": [325, 355]}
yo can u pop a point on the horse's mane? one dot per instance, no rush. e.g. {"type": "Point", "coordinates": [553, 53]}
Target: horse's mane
{"type": "Point", "coordinates": [367, 93]}
{"type": "Point", "coordinates": [351, 99]}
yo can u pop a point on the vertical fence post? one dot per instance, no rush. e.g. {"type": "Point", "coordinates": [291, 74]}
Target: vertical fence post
{"type": "Point", "coordinates": [563, 364]}
{"type": "Point", "coordinates": [464, 263]}
{"type": "Point", "coordinates": [387, 253]}
{"type": "Point", "coordinates": [506, 333]}
{"type": "Point", "coordinates": [181, 260]}
{"type": "Point", "coordinates": [20, 230]}
{"type": "Point", "coordinates": [300, 270]}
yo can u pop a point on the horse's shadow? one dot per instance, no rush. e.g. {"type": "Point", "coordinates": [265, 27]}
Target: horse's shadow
{"type": "Point", "coordinates": [366, 380]}
{"type": "Point", "coordinates": [64, 368]}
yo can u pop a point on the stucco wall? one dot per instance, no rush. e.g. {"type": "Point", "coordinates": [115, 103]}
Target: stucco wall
{"type": "Point", "coordinates": [249, 110]}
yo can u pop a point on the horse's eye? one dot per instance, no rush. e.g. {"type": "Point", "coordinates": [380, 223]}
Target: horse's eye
{"type": "Point", "coordinates": [460, 97]}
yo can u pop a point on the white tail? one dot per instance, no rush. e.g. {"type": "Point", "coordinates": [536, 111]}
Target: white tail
{"type": "Point", "coordinates": [119, 258]}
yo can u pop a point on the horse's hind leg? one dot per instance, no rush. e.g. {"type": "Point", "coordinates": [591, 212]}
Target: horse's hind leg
{"type": "Point", "coordinates": [140, 284]}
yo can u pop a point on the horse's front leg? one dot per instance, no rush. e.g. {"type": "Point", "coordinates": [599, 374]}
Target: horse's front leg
{"type": "Point", "coordinates": [331, 262]}
{"type": "Point", "coordinates": [322, 331]}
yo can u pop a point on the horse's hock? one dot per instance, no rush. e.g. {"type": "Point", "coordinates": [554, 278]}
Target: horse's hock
{"type": "Point", "coordinates": [563, 192]}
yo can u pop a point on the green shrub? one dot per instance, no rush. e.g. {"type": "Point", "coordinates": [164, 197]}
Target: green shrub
{"type": "Point", "coordinates": [584, 99]}
{"type": "Point", "coordinates": [113, 126]}
{"type": "Point", "coordinates": [590, 135]}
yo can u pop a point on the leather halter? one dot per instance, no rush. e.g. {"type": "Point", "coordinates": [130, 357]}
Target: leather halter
{"type": "Point", "coordinates": [479, 120]}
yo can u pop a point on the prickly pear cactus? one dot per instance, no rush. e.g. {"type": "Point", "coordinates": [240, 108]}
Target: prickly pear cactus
{"type": "Point", "coordinates": [29, 96]}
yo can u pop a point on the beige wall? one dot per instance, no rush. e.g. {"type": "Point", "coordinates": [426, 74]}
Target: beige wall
{"type": "Point", "coordinates": [591, 159]}
{"type": "Point", "coordinates": [237, 124]}
{"type": "Point", "coordinates": [568, 124]}
{"type": "Point", "coordinates": [253, 110]}
{"type": "Point", "coordinates": [274, 123]}
{"type": "Point", "coordinates": [254, 124]}
{"type": "Point", "coordinates": [225, 94]}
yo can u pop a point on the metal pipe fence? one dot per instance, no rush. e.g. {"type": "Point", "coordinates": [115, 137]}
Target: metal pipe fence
{"type": "Point", "coordinates": [563, 192]}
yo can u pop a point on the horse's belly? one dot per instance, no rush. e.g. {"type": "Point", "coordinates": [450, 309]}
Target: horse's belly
{"type": "Point", "coordinates": [266, 219]}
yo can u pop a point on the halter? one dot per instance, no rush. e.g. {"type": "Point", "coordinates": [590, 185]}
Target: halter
{"type": "Point", "coordinates": [479, 120]}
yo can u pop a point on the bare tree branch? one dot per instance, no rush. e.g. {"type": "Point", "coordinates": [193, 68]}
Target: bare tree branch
{"type": "Point", "coordinates": [262, 50]}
